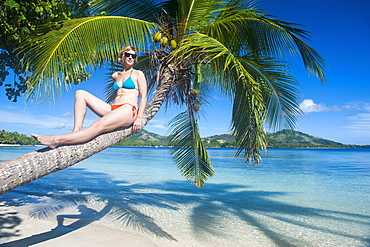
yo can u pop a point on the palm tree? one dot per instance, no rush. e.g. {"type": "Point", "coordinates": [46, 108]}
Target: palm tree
{"type": "Point", "coordinates": [188, 47]}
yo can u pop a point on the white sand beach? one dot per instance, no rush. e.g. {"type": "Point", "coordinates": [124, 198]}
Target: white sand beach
{"type": "Point", "coordinates": [78, 228]}
{"type": "Point", "coordinates": [47, 232]}
{"type": "Point", "coordinates": [18, 229]}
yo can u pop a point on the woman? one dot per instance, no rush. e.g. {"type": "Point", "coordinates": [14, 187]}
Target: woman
{"type": "Point", "coordinates": [129, 85]}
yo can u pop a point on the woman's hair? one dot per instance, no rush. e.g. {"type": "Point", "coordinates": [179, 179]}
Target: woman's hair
{"type": "Point", "coordinates": [125, 49]}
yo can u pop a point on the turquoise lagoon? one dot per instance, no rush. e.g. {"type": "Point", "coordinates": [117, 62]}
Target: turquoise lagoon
{"type": "Point", "coordinates": [296, 197]}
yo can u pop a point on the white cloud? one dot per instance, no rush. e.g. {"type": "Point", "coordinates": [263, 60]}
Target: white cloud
{"type": "Point", "coordinates": [67, 114]}
{"type": "Point", "coordinates": [308, 105]}
{"type": "Point", "coordinates": [40, 121]}
{"type": "Point", "coordinates": [359, 122]}
{"type": "Point", "coordinates": [60, 126]}
{"type": "Point", "coordinates": [157, 124]}
{"type": "Point", "coordinates": [216, 98]}
{"type": "Point", "coordinates": [359, 105]}
{"type": "Point", "coordinates": [17, 117]}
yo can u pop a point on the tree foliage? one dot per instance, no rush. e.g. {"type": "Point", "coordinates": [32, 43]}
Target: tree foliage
{"type": "Point", "coordinates": [15, 138]}
{"type": "Point", "coordinates": [189, 46]}
{"type": "Point", "coordinates": [21, 20]}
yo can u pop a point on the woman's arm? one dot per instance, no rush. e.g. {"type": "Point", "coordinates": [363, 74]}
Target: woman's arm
{"type": "Point", "coordinates": [141, 82]}
{"type": "Point", "coordinates": [114, 76]}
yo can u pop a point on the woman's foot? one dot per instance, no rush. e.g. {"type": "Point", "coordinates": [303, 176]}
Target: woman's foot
{"type": "Point", "coordinates": [76, 130]}
{"type": "Point", "coordinates": [46, 140]}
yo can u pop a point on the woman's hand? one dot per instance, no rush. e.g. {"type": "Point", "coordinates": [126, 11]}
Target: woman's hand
{"type": "Point", "coordinates": [136, 126]}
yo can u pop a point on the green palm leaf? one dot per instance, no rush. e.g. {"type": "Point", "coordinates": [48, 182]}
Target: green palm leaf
{"type": "Point", "coordinates": [249, 31]}
{"type": "Point", "coordinates": [235, 77]}
{"type": "Point", "coordinates": [197, 13]}
{"type": "Point", "coordinates": [58, 58]}
{"type": "Point", "coordinates": [278, 89]}
{"type": "Point", "coordinates": [189, 153]}
{"type": "Point", "coordinates": [147, 10]}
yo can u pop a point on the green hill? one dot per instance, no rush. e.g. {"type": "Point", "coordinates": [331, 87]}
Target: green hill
{"type": "Point", "coordinates": [145, 138]}
{"type": "Point", "coordinates": [291, 138]}
{"type": "Point", "coordinates": [283, 139]}
{"type": "Point", "coordinates": [280, 139]}
{"type": "Point", "coordinates": [225, 140]}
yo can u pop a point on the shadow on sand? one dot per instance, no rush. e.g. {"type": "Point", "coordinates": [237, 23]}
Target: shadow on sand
{"type": "Point", "coordinates": [75, 188]}
{"type": "Point", "coordinates": [85, 217]}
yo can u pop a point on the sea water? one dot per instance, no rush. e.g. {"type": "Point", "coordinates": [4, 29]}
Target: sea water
{"type": "Point", "coordinates": [295, 197]}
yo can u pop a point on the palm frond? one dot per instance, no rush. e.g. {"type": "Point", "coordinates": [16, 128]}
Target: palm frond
{"type": "Point", "coordinates": [227, 68]}
{"type": "Point", "coordinates": [139, 9]}
{"type": "Point", "coordinates": [288, 37]}
{"type": "Point", "coordinates": [261, 90]}
{"type": "Point", "coordinates": [197, 13]}
{"type": "Point", "coordinates": [278, 89]}
{"type": "Point", "coordinates": [109, 92]}
{"type": "Point", "coordinates": [59, 57]}
{"type": "Point", "coordinates": [312, 60]}
{"type": "Point", "coordinates": [250, 31]}
{"type": "Point", "coordinates": [248, 127]}
{"type": "Point", "coordinates": [279, 95]}
{"type": "Point", "coordinates": [189, 153]}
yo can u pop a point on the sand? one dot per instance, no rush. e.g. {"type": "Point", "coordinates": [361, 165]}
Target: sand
{"type": "Point", "coordinates": [19, 229]}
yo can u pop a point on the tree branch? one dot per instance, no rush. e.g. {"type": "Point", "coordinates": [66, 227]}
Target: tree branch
{"type": "Point", "coordinates": [37, 164]}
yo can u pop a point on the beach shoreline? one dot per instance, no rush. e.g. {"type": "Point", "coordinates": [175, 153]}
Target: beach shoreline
{"type": "Point", "coordinates": [18, 145]}
{"type": "Point", "coordinates": [14, 145]}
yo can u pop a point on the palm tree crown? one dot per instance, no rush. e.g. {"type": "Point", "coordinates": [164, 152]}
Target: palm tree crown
{"type": "Point", "coordinates": [192, 46]}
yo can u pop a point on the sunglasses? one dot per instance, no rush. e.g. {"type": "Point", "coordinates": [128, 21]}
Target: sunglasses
{"type": "Point", "coordinates": [127, 54]}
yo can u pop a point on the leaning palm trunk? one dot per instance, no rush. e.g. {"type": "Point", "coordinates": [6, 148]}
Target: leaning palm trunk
{"type": "Point", "coordinates": [37, 164]}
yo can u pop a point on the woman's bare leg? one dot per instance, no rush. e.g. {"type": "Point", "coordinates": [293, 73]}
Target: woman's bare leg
{"type": "Point", "coordinates": [85, 99]}
{"type": "Point", "coordinates": [118, 118]}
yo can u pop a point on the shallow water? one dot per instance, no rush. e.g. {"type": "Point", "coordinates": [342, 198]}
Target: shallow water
{"type": "Point", "coordinates": [296, 197]}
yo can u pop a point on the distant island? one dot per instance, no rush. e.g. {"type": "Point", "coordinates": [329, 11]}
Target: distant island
{"type": "Point", "coordinates": [14, 138]}
{"type": "Point", "coordinates": [281, 139]}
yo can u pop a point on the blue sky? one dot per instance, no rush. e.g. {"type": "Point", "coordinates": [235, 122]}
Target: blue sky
{"type": "Point", "coordinates": [338, 110]}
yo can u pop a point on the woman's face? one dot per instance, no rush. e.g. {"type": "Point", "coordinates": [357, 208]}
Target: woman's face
{"type": "Point", "coordinates": [128, 57]}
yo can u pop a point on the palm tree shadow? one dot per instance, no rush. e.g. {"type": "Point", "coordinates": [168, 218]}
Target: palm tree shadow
{"type": "Point", "coordinates": [49, 196]}
{"type": "Point", "coordinates": [8, 221]}
{"type": "Point", "coordinates": [246, 205]}
{"type": "Point", "coordinates": [121, 201]}
{"type": "Point", "coordinates": [85, 217]}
